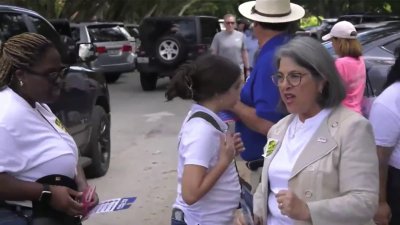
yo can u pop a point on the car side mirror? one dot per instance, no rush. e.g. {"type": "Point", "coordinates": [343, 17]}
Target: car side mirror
{"type": "Point", "coordinates": [86, 52]}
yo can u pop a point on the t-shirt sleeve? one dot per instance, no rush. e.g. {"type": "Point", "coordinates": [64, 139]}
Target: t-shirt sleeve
{"type": "Point", "coordinates": [10, 160]}
{"type": "Point", "coordinates": [385, 125]}
{"type": "Point", "coordinates": [266, 94]}
{"type": "Point", "coordinates": [198, 143]}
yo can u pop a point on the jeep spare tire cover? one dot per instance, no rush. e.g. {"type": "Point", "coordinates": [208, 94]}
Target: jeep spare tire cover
{"type": "Point", "coordinates": [170, 50]}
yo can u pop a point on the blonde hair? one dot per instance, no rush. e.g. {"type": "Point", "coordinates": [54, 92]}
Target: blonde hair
{"type": "Point", "coordinates": [21, 52]}
{"type": "Point", "coordinates": [348, 47]}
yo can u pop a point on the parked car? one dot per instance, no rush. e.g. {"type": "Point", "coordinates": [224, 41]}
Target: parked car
{"type": "Point", "coordinates": [113, 47]}
{"type": "Point", "coordinates": [366, 18]}
{"type": "Point", "coordinates": [368, 26]}
{"type": "Point", "coordinates": [380, 45]}
{"type": "Point", "coordinates": [83, 106]}
{"type": "Point", "coordinates": [133, 30]}
{"type": "Point", "coordinates": [167, 42]}
{"type": "Point", "coordinates": [325, 27]}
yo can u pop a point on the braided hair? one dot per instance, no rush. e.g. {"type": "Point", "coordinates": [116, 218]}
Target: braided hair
{"type": "Point", "coordinates": [21, 52]}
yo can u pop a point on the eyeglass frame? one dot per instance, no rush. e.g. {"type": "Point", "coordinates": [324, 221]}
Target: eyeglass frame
{"type": "Point", "coordinates": [48, 76]}
{"type": "Point", "coordinates": [278, 83]}
{"type": "Point", "coordinates": [230, 22]}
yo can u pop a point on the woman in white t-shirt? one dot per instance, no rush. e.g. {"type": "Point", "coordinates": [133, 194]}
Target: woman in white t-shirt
{"type": "Point", "coordinates": [208, 190]}
{"type": "Point", "coordinates": [38, 158]}
{"type": "Point", "coordinates": [385, 120]}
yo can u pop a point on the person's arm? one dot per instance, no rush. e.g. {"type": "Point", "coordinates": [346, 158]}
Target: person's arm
{"type": "Point", "coordinates": [384, 154]}
{"type": "Point", "coordinates": [62, 198]}
{"type": "Point", "coordinates": [13, 189]}
{"type": "Point", "coordinates": [214, 45]}
{"type": "Point", "coordinates": [249, 117]}
{"type": "Point", "coordinates": [196, 180]}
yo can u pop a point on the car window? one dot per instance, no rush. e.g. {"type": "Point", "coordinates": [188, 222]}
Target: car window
{"type": "Point", "coordinates": [106, 33]}
{"type": "Point", "coordinates": [184, 28]}
{"type": "Point", "coordinates": [75, 34]}
{"type": "Point", "coordinates": [11, 24]}
{"type": "Point", "coordinates": [391, 46]}
{"type": "Point", "coordinates": [209, 28]}
{"type": "Point", "coordinates": [43, 28]}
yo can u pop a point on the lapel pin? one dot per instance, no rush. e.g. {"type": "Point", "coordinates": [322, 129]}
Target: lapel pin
{"type": "Point", "coordinates": [322, 140]}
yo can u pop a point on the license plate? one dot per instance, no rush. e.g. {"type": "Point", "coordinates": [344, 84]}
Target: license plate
{"type": "Point", "coordinates": [113, 52]}
{"type": "Point", "coordinates": [142, 59]}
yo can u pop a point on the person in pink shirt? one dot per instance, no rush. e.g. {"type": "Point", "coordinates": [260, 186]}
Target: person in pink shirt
{"type": "Point", "coordinates": [350, 63]}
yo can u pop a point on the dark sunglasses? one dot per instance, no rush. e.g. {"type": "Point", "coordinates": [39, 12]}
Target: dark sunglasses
{"type": "Point", "coordinates": [230, 23]}
{"type": "Point", "coordinates": [53, 76]}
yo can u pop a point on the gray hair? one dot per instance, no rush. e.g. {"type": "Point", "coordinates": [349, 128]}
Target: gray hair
{"type": "Point", "coordinates": [310, 54]}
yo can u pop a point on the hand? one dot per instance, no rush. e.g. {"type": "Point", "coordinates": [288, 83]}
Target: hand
{"type": "Point", "coordinates": [291, 206]}
{"type": "Point", "coordinates": [239, 218]}
{"type": "Point", "coordinates": [383, 215]}
{"type": "Point", "coordinates": [62, 199]}
{"type": "Point", "coordinates": [227, 148]}
{"type": "Point", "coordinates": [258, 220]}
{"type": "Point", "coordinates": [239, 146]}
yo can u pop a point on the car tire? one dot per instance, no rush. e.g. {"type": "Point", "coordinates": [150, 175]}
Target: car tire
{"type": "Point", "coordinates": [148, 81]}
{"type": "Point", "coordinates": [112, 77]}
{"type": "Point", "coordinates": [170, 50]}
{"type": "Point", "coordinates": [99, 148]}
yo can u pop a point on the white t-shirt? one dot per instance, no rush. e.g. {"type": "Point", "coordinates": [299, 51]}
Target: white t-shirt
{"type": "Point", "coordinates": [199, 145]}
{"type": "Point", "coordinates": [32, 144]}
{"type": "Point", "coordinates": [385, 121]}
{"type": "Point", "coordinates": [296, 138]}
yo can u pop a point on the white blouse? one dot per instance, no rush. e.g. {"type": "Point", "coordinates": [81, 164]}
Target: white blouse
{"type": "Point", "coordinates": [295, 140]}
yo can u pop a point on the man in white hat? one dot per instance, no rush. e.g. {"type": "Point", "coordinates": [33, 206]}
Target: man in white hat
{"type": "Point", "coordinates": [273, 21]}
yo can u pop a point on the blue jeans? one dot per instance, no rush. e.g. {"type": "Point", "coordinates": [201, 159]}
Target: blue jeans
{"type": "Point", "coordinates": [8, 217]}
{"type": "Point", "coordinates": [173, 222]}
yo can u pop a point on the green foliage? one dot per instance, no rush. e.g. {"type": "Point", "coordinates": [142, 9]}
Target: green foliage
{"type": "Point", "coordinates": [136, 10]}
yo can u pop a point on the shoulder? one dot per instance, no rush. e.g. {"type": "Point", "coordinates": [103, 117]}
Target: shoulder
{"type": "Point", "coordinates": [198, 128]}
{"type": "Point", "coordinates": [347, 120]}
{"type": "Point", "coordinates": [12, 110]}
{"type": "Point", "coordinates": [281, 125]}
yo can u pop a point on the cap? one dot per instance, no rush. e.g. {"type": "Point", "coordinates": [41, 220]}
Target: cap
{"type": "Point", "coordinates": [342, 29]}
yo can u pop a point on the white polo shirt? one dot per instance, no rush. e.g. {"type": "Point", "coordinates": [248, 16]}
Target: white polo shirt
{"type": "Point", "coordinates": [385, 121]}
{"type": "Point", "coordinates": [33, 143]}
{"type": "Point", "coordinates": [199, 145]}
{"type": "Point", "coordinates": [295, 140]}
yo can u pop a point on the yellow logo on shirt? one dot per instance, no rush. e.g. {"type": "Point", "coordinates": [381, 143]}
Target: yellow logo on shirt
{"type": "Point", "coordinates": [60, 125]}
{"type": "Point", "coordinates": [269, 148]}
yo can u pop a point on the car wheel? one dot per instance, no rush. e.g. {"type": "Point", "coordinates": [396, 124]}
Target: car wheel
{"type": "Point", "coordinates": [170, 50]}
{"type": "Point", "coordinates": [99, 147]}
{"type": "Point", "coordinates": [148, 81]}
{"type": "Point", "coordinates": [112, 77]}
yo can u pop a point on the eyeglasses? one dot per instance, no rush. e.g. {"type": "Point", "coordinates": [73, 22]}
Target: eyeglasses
{"type": "Point", "coordinates": [229, 22]}
{"type": "Point", "coordinates": [53, 76]}
{"type": "Point", "coordinates": [293, 78]}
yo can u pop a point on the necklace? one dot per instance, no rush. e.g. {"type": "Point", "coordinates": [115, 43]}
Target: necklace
{"type": "Point", "coordinates": [294, 127]}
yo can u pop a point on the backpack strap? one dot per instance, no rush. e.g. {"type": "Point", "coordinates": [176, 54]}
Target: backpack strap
{"type": "Point", "coordinates": [207, 117]}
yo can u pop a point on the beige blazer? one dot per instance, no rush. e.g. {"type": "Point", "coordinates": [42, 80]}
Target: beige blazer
{"type": "Point", "coordinates": [336, 174]}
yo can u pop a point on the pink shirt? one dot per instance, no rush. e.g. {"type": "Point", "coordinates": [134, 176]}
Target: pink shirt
{"type": "Point", "coordinates": [353, 74]}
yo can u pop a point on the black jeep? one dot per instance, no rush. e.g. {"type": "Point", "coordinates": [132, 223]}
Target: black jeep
{"type": "Point", "coordinates": [167, 42]}
{"type": "Point", "coordinates": [83, 106]}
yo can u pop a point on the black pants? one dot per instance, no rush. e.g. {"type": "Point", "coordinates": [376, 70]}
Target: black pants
{"type": "Point", "coordinates": [393, 194]}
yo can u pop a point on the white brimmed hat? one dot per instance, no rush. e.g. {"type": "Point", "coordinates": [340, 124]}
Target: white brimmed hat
{"type": "Point", "coordinates": [342, 29]}
{"type": "Point", "coordinates": [271, 11]}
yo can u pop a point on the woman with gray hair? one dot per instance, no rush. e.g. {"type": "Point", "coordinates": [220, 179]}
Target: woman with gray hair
{"type": "Point", "coordinates": [320, 162]}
